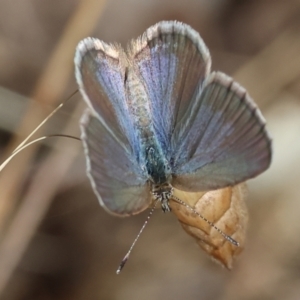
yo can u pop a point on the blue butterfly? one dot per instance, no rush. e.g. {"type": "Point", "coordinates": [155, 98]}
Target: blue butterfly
{"type": "Point", "coordinates": [157, 118]}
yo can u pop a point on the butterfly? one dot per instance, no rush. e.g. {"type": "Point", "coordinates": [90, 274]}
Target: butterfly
{"type": "Point", "coordinates": [159, 119]}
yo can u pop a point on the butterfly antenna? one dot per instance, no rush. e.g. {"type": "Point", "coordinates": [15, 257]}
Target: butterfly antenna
{"type": "Point", "coordinates": [124, 260]}
{"type": "Point", "coordinates": [44, 121]}
{"type": "Point", "coordinates": [19, 149]}
{"type": "Point", "coordinates": [227, 237]}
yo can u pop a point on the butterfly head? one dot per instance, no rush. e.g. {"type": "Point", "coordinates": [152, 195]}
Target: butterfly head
{"type": "Point", "coordinates": [163, 193]}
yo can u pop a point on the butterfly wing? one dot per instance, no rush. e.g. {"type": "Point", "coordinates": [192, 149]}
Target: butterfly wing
{"type": "Point", "coordinates": [225, 141]}
{"type": "Point", "coordinates": [172, 61]}
{"type": "Point", "coordinates": [116, 178]}
{"type": "Point", "coordinates": [213, 136]}
{"type": "Point", "coordinates": [100, 72]}
{"type": "Point", "coordinates": [108, 135]}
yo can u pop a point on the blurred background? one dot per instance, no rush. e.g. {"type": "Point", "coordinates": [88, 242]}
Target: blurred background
{"type": "Point", "coordinates": [56, 241]}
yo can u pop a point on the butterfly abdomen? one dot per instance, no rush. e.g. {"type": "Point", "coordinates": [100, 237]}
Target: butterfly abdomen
{"type": "Point", "coordinates": [138, 105]}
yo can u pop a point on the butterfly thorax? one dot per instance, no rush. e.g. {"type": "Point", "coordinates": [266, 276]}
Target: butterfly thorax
{"type": "Point", "coordinates": [163, 193]}
{"type": "Point", "coordinates": [155, 165]}
{"type": "Point", "coordinates": [152, 157]}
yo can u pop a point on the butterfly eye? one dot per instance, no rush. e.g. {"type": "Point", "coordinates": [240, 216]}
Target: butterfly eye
{"type": "Point", "coordinates": [226, 209]}
{"type": "Point", "coordinates": [168, 168]}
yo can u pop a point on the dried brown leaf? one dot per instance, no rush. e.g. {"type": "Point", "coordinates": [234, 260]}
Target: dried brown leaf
{"type": "Point", "coordinates": [226, 209]}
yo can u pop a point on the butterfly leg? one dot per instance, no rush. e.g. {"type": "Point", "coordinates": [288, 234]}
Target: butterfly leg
{"type": "Point", "coordinates": [163, 193]}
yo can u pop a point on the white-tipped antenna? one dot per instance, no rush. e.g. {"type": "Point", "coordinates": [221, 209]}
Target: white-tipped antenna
{"type": "Point", "coordinates": [124, 260]}
{"type": "Point", "coordinates": [227, 237]}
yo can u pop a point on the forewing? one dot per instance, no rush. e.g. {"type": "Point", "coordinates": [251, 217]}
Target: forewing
{"type": "Point", "coordinates": [222, 141]}
{"type": "Point", "coordinates": [172, 61]}
{"type": "Point", "coordinates": [116, 178]}
{"type": "Point", "coordinates": [100, 74]}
